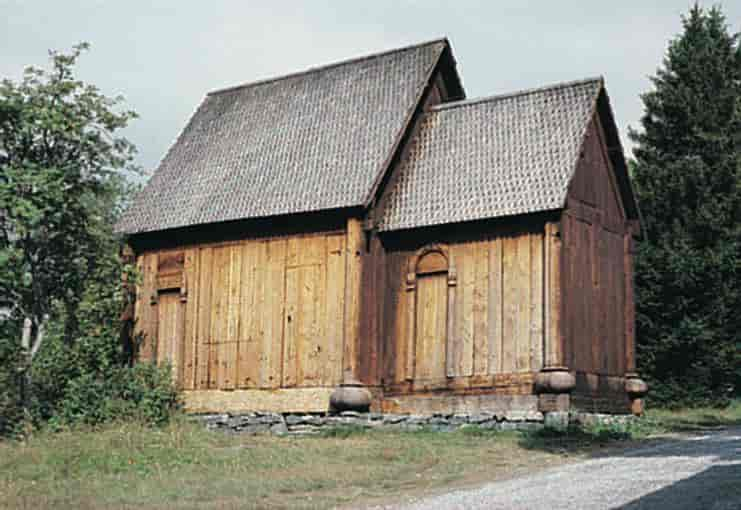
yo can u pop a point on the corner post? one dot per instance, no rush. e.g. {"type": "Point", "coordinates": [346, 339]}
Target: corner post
{"type": "Point", "coordinates": [635, 387]}
{"type": "Point", "coordinates": [554, 382]}
{"type": "Point", "coordinates": [554, 340]}
{"type": "Point", "coordinates": [351, 394]}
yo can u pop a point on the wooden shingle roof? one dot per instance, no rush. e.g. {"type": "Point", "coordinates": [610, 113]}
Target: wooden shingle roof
{"type": "Point", "coordinates": [493, 157]}
{"type": "Point", "coordinates": [310, 141]}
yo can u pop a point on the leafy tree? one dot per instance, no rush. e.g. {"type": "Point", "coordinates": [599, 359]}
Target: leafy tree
{"type": "Point", "coordinates": [688, 179]}
{"type": "Point", "coordinates": [60, 183]}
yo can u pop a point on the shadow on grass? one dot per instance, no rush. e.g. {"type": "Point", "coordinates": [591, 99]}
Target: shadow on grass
{"type": "Point", "coordinates": [656, 423]}
{"type": "Point", "coordinates": [575, 440]}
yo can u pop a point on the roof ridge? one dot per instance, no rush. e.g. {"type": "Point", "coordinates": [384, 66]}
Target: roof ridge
{"type": "Point", "coordinates": [323, 67]}
{"type": "Point", "coordinates": [522, 92]}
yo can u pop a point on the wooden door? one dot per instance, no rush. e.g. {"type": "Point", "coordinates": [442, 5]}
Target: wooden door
{"type": "Point", "coordinates": [170, 332]}
{"type": "Point", "coordinates": [431, 326]}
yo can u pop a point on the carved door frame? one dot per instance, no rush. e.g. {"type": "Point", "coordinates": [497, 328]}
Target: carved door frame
{"type": "Point", "coordinates": [414, 270]}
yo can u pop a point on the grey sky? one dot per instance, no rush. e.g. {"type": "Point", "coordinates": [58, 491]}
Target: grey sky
{"type": "Point", "coordinates": [163, 56]}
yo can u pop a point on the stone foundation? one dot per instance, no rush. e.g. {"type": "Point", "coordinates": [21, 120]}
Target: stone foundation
{"type": "Point", "coordinates": [308, 424]}
{"type": "Point", "coordinates": [305, 424]}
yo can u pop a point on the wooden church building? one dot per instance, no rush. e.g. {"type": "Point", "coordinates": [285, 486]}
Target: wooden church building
{"type": "Point", "coordinates": [361, 234]}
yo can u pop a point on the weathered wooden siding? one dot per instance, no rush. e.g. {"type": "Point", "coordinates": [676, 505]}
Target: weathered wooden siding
{"type": "Point", "coordinates": [459, 331]}
{"type": "Point", "coordinates": [257, 313]}
{"type": "Point", "coordinates": [595, 301]}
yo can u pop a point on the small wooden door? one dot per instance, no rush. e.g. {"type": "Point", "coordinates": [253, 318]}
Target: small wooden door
{"type": "Point", "coordinates": [170, 332]}
{"type": "Point", "coordinates": [431, 326]}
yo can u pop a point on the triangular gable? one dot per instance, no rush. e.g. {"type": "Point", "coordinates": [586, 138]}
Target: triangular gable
{"type": "Point", "coordinates": [617, 157]}
{"type": "Point", "coordinates": [500, 156]}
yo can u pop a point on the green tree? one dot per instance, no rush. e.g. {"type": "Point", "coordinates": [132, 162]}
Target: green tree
{"type": "Point", "coordinates": [688, 180]}
{"type": "Point", "coordinates": [60, 187]}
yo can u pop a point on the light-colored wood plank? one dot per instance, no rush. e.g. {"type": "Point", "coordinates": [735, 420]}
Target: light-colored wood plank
{"type": "Point", "coordinates": [494, 307]}
{"type": "Point", "coordinates": [431, 327]}
{"type": "Point", "coordinates": [312, 306]}
{"type": "Point", "coordinates": [147, 312]}
{"type": "Point", "coordinates": [228, 367]}
{"type": "Point", "coordinates": [310, 337]}
{"type": "Point", "coordinates": [292, 400]}
{"type": "Point", "coordinates": [219, 292]}
{"type": "Point", "coordinates": [428, 404]}
{"type": "Point", "coordinates": [251, 315]}
{"type": "Point", "coordinates": [480, 305]}
{"type": "Point", "coordinates": [291, 327]}
{"type": "Point", "coordinates": [451, 337]}
{"type": "Point", "coordinates": [353, 274]}
{"type": "Point", "coordinates": [410, 333]}
{"type": "Point", "coordinates": [164, 328]}
{"type": "Point", "coordinates": [536, 301]}
{"type": "Point", "coordinates": [511, 304]}
{"type": "Point", "coordinates": [553, 332]}
{"type": "Point", "coordinates": [170, 333]}
{"type": "Point", "coordinates": [522, 282]}
{"type": "Point", "coordinates": [332, 373]}
{"type": "Point", "coordinates": [205, 273]}
{"type": "Point", "coordinates": [466, 266]}
{"type": "Point", "coordinates": [273, 315]}
{"type": "Point", "coordinates": [190, 344]}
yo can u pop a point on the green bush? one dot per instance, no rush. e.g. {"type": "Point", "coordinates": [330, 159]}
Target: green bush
{"type": "Point", "coordinates": [11, 408]}
{"type": "Point", "coordinates": [144, 393]}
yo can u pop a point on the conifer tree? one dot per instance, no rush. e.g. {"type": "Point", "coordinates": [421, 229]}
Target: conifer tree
{"type": "Point", "coordinates": [688, 180]}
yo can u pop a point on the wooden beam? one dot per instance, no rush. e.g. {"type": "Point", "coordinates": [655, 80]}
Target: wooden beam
{"type": "Point", "coordinates": [630, 340]}
{"type": "Point", "coordinates": [288, 400]}
{"type": "Point", "coordinates": [353, 281]}
{"type": "Point", "coordinates": [554, 339]}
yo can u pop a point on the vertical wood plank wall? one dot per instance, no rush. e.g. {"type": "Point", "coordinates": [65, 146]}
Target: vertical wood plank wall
{"type": "Point", "coordinates": [594, 231]}
{"type": "Point", "coordinates": [497, 311]}
{"type": "Point", "coordinates": [257, 313]}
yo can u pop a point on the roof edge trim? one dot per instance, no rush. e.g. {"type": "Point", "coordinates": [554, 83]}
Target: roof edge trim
{"type": "Point", "coordinates": [397, 146]}
{"type": "Point", "coordinates": [323, 67]}
{"type": "Point", "coordinates": [523, 92]}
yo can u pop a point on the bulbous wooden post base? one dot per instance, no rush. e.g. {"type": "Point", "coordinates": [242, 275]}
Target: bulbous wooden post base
{"type": "Point", "coordinates": [553, 386]}
{"type": "Point", "coordinates": [350, 396]}
{"type": "Point", "coordinates": [636, 388]}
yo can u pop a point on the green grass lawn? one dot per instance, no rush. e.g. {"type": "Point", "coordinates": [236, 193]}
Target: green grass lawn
{"type": "Point", "coordinates": [185, 466]}
{"type": "Point", "coordinates": [680, 420]}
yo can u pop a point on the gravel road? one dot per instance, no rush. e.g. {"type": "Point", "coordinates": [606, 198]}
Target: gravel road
{"type": "Point", "coordinates": [689, 472]}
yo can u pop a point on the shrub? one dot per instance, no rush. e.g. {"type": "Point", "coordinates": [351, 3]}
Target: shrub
{"type": "Point", "coordinates": [143, 392]}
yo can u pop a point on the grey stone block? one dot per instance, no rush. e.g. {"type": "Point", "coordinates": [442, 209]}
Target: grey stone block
{"type": "Point", "coordinates": [279, 429]}
{"type": "Point", "coordinates": [480, 418]}
{"type": "Point", "coordinates": [395, 418]}
{"type": "Point", "coordinates": [558, 420]}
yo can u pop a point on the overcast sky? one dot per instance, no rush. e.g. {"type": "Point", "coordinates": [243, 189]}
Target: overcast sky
{"type": "Point", "coordinates": [163, 56]}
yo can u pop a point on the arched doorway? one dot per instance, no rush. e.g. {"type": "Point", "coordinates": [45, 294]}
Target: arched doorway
{"type": "Point", "coordinates": [430, 280]}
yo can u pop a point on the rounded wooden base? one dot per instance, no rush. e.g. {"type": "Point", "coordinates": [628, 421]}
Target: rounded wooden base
{"type": "Point", "coordinates": [350, 397]}
{"type": "Point", "coordinates": [554, 380]}
{"type": "Point", "coordinates": [636, 388]}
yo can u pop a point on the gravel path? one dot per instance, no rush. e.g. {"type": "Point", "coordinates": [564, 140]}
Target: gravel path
{"type": "Point", "coordinates": [693, 472]}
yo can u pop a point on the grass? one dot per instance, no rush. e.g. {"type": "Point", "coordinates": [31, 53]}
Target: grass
{"type": "Point", "coordinates": [655, 423]}
{"type": "Point", "coordinates": [182, 465]}
{"type": "Point", "coordinates": [185, 466]}
{"type": "Point", "coordinates": [683, 420]}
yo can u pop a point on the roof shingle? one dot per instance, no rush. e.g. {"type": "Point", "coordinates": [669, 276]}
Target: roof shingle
{"type": "Point", "coordinates": [310, 141]}
{"type": "Point", "coordinates": [492, 157]}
